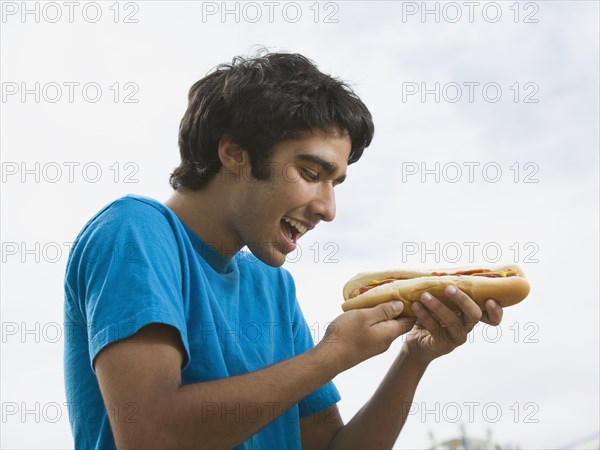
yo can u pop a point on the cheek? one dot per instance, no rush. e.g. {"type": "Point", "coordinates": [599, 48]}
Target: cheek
{"type": "Point", "coordinates": [299, 191]}
{"type": "Point", "coordinates": [270, 200]}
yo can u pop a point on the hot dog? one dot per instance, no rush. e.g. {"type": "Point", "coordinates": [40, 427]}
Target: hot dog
{"type": "Point", "coordinates": [506, 284]}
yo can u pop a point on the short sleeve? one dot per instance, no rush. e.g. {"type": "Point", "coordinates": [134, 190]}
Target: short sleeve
{"type": "Point", "coordinates": [125, 272]}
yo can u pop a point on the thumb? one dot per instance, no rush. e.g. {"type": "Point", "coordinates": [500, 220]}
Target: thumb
{"type": "Point", "coordinates": [388, 323]}
{"type": "Point", "coordinates": [386, 311]}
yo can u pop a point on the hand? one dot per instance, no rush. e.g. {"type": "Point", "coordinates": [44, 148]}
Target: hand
{"type": "Point", "coordinates": [439, 330]}
{"type": "Point", "coordinates": [360, 334]}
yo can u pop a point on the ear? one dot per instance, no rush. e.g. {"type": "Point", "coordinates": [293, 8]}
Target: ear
{"type": "Point", "coordinates": [233, 157]}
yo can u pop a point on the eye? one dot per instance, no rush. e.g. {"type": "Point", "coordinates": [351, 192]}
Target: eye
{"type": "Point", "coordinates": [310, 174]}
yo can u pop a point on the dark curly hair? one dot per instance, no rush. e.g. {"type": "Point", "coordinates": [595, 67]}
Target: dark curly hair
{"type": "Point", "coordinates": [261, 101]}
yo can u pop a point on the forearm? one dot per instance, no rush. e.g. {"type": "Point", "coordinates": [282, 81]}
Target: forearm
{"type": "Point", "coordinates": [378, 423]}
{"type": "Point", "coordinates": [226, 412]}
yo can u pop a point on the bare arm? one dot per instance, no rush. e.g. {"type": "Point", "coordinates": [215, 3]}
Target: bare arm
{"type": "Point", "coordinates": [147, 373]}
{"type": "Point", "coordinates": [377, 424]}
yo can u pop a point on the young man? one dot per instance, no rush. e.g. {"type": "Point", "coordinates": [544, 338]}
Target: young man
{"type": "Point", "coordinates": [185, 340]}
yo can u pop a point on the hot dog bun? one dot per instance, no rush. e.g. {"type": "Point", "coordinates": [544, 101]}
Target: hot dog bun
{"type": "Point", "coordinates": [507, 291]}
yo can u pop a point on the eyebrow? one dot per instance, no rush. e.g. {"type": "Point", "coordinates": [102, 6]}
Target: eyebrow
{"type": "Point", "coordinates": [327, 166]}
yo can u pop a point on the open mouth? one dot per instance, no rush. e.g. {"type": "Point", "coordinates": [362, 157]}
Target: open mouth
{"type": "Point", "coordinates": [292, 229]}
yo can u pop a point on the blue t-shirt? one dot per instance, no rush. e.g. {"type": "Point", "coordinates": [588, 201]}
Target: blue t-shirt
{"type": "Point", "coordinates": [135, 263]}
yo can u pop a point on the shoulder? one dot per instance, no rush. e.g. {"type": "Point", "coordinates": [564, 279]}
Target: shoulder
{"type": "Point", "coordinates": [132, 207]}
{"type": "Point", "coordinates": [130, 211]}
{"type": "Point", "coordinates": [129, 226]}
{"type": "Point", "coordinates": [131, 235]}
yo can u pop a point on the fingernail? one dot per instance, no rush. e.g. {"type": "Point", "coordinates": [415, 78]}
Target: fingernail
{"type": "Point", "coordinates": [397, 305]}
{"type": "Point", "coordinates": [426, 297]}
{"type": "Point", "coordinates": [450, 290]}
{"type": "Point", "coordinates": [416, 307]}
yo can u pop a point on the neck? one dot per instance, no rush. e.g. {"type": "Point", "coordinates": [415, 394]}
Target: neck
{"type": "Point", "coordinates": [205, 214]}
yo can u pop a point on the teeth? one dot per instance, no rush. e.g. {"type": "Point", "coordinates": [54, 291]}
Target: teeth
{"type": "Point", "coordinates": [297, 225]}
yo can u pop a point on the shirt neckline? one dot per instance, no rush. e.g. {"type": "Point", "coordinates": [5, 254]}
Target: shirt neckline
{"type": "Point", "coordinates": [217, 261]}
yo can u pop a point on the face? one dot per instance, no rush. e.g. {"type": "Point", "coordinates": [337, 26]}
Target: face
{"type": "Point", "coordinates": [270, 216]}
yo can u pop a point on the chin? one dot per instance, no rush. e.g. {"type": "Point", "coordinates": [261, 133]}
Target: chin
{"type": "Point", "coordinates": [268, 255]}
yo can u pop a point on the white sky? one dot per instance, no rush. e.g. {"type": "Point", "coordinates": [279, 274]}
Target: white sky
{"type": "Point", "coordinates": [535, 386]}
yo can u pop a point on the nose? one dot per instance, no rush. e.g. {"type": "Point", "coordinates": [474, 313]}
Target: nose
{"type": "Point", "coordinates": [323, 205]}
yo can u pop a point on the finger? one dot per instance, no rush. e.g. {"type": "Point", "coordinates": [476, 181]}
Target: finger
{"type": "Point", "coordinates": [443, 313]}
{"type": "Point", "coordinates": [385, 311]}
{"type": "Point", "coordinates": [448, 324]}
{"type": "Point", "coordinates": [425, 319]}
{"type": "Point", "coordinates": [470, 312]}
{"type": "Point", "coordinates": [493, 313]}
